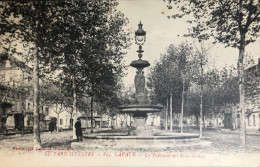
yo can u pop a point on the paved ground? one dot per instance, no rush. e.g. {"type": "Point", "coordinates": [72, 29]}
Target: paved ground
{"type": "Point", "coordinates": [222, 141]}
{"type": "Point", "coordinates": [224, 151]}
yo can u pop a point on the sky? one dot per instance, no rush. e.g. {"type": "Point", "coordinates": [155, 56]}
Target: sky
{"type": "Point", "coordinates": [161, 32]}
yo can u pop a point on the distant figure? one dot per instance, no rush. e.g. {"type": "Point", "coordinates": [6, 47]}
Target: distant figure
{"type": "Point", "coordinates": [78, 130]}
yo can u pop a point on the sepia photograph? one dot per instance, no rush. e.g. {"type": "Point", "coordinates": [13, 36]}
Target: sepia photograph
{"type": "Point", "coordinates": [106, 83]}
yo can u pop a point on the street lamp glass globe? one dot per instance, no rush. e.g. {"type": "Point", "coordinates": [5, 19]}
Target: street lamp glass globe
{"type": "Point", "coordinates": [140, 35]}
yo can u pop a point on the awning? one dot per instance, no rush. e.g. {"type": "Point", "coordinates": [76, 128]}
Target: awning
{"type": "Point", "coordinates": [29, 112]}
{"type": "Point", "coordinates": [82, 117]}
{"type": "Point", "coordinates": [96, 118]}
{"type": "Point", "coordinates": [6, 104]}
{"type": "Point", "coordinates": [13, 113]}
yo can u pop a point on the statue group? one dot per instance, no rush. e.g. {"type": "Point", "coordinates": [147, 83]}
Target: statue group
{"type": "Point", "coordinates": [139, 81]}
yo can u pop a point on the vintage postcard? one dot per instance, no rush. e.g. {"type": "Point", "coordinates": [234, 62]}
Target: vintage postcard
{"type": "Point", "coordinates": [129, 83]}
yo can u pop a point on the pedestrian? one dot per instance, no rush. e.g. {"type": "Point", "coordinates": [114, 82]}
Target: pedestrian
{"type": "Point", "coordinates": [78, 130]}
{"type": "Point", "coordinates": [51, 127]}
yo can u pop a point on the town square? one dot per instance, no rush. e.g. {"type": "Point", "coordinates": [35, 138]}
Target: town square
{"type": "Point", "coordinates": [130, 83]}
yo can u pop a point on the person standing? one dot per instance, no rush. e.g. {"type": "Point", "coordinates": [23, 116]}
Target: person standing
{"type": "Point", "coordinates": [78, 130]}
{"type": "Point", "coordinates": [51, 127]}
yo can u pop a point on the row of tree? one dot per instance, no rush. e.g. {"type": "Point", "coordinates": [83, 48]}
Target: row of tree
{"type": "Point", "coordinates": [177, 81]}
{"type": "Point", "coordinates": [76, 45]}
{"type": "Point", "coordinates": [233, 23]}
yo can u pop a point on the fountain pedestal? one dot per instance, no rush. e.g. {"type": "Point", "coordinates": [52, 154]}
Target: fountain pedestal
{"type": "Point", "coordinates": [140, 128]}
{"type": "Point", "coordinates": [141, 106]}
{"type": "Point", "coordinates": [139, 111]}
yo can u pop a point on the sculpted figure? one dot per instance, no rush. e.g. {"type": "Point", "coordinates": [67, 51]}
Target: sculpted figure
{"type": "Point", "coordinates": [142, 82]}
{"type": "Point", "coordinates": [139, 82]}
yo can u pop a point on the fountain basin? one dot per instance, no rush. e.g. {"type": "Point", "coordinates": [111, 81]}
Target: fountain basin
{"type": "Point", "coordinates": [140, 63]}
{"type": "Point", "coordinates": [155, 137]}
{"type": "Point", "coordinates": [160, 141]}
{"type": "Point", "coordinates": [140, 108]}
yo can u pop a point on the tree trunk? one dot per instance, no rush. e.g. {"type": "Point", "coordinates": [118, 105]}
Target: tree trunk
{"type": "Point", "coordinates": [197, 121]}
{"type": "Point", "coordinates": [217, 122]}
{"type": "Point", "coordinates": [242, 90]}
{"type": "Point", "coordinates": [116, 122]}
{"type": "Point", "coordinates": [201, 115]}
{"type": "Point", "coordinates": [236, 119]}
{"type": "Point", "coordinates": [71, 119]}
{"type": "Point", "coordinates": [91, 112]}
{"type": "Point", "coordinates": [100, 124]}
{"type": "Point", "coordinates": [204, 121]}
{"type": "Point", "coordinates": [74, 108]}
{"type": "Point", "coordinates": [201, 96]}
{"type": "Point", "coordinates": [58, 118]}
{"type": "Point", "coordinates": [171, 121]}
{"type": "Point", "coordinates": [182, 105]}
{"type": "Point", "coordinates": [36, 127]}
{"type": "Point", "coordinates": [166, 115]}
{"type": "Point", "coordinates": [58, 123]}
{"type": "Point", "coordinates": [130, 120]}
{"type": "Point", "coordinates": [22, 120]}
{"type": "Point", "coordinates": [126, 120]}
{"type": "Point", "coordinates": [108, 122]}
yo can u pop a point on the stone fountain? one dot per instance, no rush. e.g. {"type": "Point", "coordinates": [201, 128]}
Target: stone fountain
{"type": "Point", "coordinates": [139, 136]}
{"type": "Point", "coordinates": [141, 107]}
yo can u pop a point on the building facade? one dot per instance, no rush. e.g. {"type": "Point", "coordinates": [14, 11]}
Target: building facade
{"type": "Point", "coordinates": [252, 103]}
{"type": "Point", "coordinates": [16, 98]}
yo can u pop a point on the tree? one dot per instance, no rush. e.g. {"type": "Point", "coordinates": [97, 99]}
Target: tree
{"type": "Point", "coordinates": [172, 76]}
{"type": "Point", "coordinates": [54, 97]}
{"type": "Point", "coordinates": [81, 39]}
{"type": "Point", "coordinates": [186, 68]}
{"type": "Point", "coordinates": [92, 41]}
{"type": "Point", "coordinates": [29, 22]}
{"type": "Point", "coordinates": [164, 82]}
{"type": "Point", "coordinates": [220, 90]}
{"type": "Point", "coordinates": [234, 23]}
{"type": "Point", "coordinates": [199, 64]}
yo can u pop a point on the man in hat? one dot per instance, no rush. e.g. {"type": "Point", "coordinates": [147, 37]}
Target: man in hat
{"type": "Point", "coordinates": [78, 130]}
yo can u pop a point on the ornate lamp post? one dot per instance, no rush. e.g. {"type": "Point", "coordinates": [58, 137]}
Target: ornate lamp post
{"type": "Point", "coordinates": [141, 107]}
{"type": "Point", "coordinates": [140, 38]}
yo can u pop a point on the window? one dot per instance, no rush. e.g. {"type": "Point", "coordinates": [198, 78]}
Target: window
{"type": "Point", "coordinates": [18, 106]}
{"type": "Point", "coordinates": [23, 106]}
{"type": "Point", "coordinates": [71, 121]}
{"type": "Point", "coordinates": [11, 77]}
{"type": "Point", "coordinates": [29, 106]}
{"type": "Point", "coordinates": [249, 120]}
{"type": "Point", "coordinates": [47, 111]}
{"type": "Point", "coordinates": [7, 63]}
{"type": "Point", "coordinates": [13, 105]}
{"type": "Point", "coordinates": [61, 121]}
{"type": "Point", "coordinates": [3, 77]}
{"type": "Point", "coordinates": [254, 120]}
